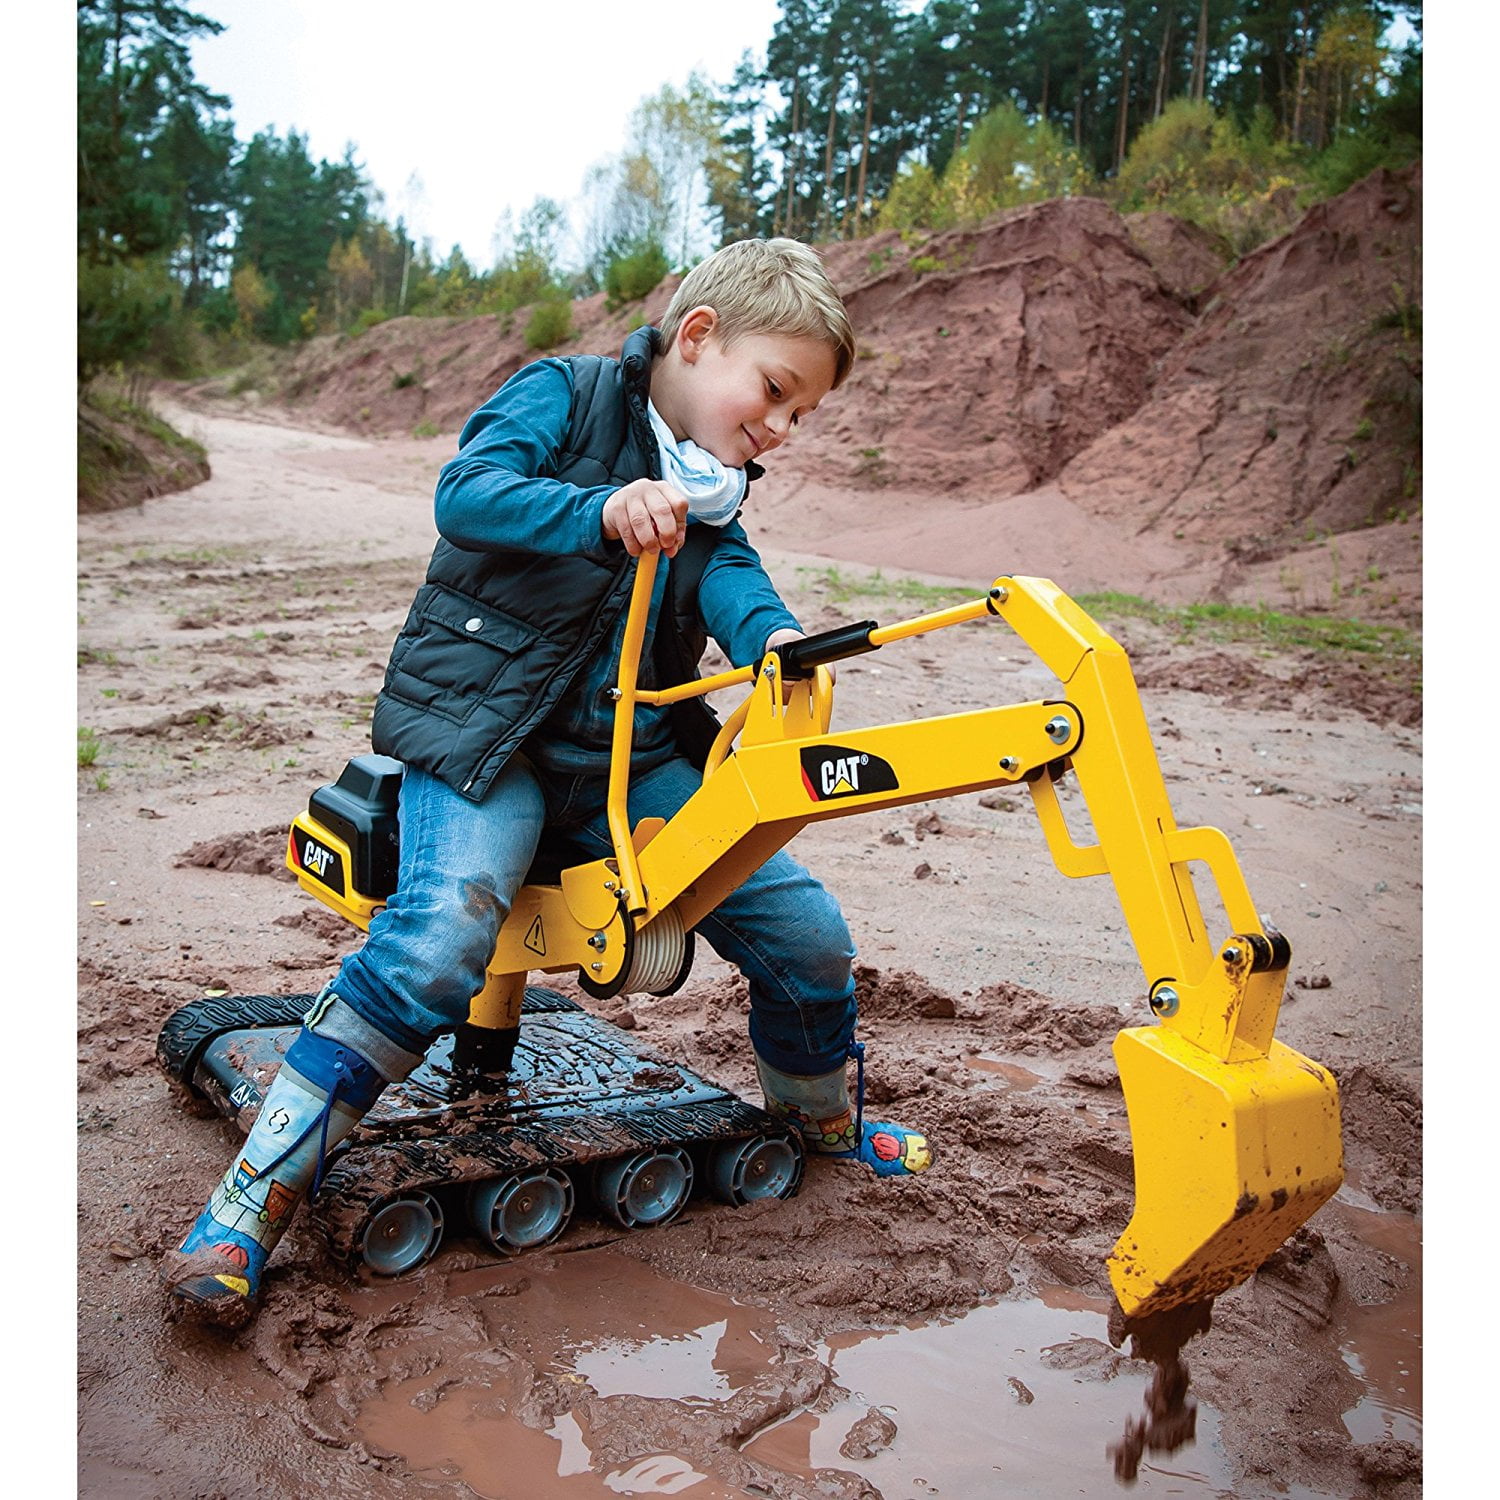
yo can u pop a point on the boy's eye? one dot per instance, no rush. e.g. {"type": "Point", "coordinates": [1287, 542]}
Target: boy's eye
{"type": "Point", "coordinates": [774, 389]}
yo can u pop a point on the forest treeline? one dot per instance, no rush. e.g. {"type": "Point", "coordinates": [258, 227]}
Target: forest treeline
{"type": "Point", "coordinates": [859, 116]}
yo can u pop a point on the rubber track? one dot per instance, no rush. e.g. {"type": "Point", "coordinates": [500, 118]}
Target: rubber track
{"type": "Point", "coordinates": [186, 1033]}
{"type": "Point", "coordinates": [364, 1177]}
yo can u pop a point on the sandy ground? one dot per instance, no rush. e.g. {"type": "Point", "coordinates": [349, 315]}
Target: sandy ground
{"type": "Point", "coordinates": [939, 1336]}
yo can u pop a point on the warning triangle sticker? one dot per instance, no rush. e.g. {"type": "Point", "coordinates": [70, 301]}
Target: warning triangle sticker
{"type": "Point", "coordinates": [841, 787]}
{"type": "Point", "coordinates": [534, 938]}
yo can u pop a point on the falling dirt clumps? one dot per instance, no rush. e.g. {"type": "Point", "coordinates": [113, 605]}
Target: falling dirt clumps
{"type": "Point", "coordinates": [1171, 1418]}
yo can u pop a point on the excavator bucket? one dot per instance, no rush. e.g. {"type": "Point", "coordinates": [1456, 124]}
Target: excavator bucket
{"type": "Point", "coordinates": [1230, 1159]}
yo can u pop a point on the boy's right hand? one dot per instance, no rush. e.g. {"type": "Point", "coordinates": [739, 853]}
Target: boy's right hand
{"type": "Point", "coordinates": [648, 516]}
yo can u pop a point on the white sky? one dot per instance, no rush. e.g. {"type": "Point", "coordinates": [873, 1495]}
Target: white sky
{"type": "Point", "coordinates": [490, 104]}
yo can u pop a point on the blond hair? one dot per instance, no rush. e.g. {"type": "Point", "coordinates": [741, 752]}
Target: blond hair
{"type": "Point", "coordinates": [766, 286]}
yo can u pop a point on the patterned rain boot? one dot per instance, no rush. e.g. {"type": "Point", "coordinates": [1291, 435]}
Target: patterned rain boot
{"type": "Point", "coordinates": [321, 1092]}
{"type": "Point", "coordinates": [819, 1108]}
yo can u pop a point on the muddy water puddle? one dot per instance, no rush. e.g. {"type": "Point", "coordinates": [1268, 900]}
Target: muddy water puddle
{"type": "Point", "coordinates": [1383, 1341]}
{"type": "Point", "coordinates": [1012, 1074]}
{"type": "Point", "coordinates": [1015, 1397]}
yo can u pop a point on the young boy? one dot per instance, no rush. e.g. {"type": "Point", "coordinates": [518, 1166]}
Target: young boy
{"type": "Point", "coordinates": [496, 698]}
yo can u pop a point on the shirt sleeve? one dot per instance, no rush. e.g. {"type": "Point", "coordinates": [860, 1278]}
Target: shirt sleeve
{"type": "Point", "coordinates": [497, 492]}
{"type": "Point", "coordinates": [738, 601]}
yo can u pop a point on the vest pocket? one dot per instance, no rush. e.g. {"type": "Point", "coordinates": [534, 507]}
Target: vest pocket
{"type": "Point", "coordinates": [453, 651]}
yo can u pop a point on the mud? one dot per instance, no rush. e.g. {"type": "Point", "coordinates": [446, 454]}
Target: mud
{"type": "Point", "coordinates": [907, 1322]}
{"type": "Point", "coordinates": [1171, 1419]}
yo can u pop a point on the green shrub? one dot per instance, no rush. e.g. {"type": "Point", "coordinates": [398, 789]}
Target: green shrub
{"type": "Point", "coordinates": [1006, 160]}
{"type": "Point", "coordinates": [634, 272]}
{"type": "Point", "coordinates": [915, 201]}
{"type": "Point", "coordinates": [551, 323]}
{"type": "Point", "coordinates": [1245, 185]}
{"type": "Point", "coordinates": [120, 306]}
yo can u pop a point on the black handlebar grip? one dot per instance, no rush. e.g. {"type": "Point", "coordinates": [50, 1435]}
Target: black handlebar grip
{"type": "Point", "coordinates": [799, 658]}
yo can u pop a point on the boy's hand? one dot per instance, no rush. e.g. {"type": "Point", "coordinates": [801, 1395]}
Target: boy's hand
{"type": "Point", "coordinates": [779, 638]}
{"type": "Point", "coordinates": [648, 516]}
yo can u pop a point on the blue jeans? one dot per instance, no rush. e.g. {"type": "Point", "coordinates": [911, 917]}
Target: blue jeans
{"type": "Point", "coordinates": [461, 863]}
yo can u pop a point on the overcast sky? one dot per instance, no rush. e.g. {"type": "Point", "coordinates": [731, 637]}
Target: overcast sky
{"type": "Point", "coordinates": [490, 104]}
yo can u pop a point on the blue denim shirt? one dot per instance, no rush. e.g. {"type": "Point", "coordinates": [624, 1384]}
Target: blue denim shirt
{"type": "Point", "coordinates": [496, 493]}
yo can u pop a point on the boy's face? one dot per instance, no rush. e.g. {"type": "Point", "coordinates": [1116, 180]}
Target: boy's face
{"type": "Point", "coordinates": [742, 401]}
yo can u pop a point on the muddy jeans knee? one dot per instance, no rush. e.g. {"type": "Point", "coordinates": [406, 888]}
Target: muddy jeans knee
{"type": "Point", "coordinates": [425, 956]}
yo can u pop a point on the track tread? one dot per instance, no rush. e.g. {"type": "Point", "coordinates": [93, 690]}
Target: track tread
{"type": "Point", "coordinates": [538, 999]}
{"type": "Point", "coordinates": [188, 1031]}
{"type": "Point", "coordinates": [364, 1176]}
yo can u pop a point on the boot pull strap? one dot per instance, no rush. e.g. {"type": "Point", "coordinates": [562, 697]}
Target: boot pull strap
{"type": "Point", "coordinates": [341, 1074]}
{"type": "Point", "coordinates": [857, 1052]}
{"type": "Point", "coordinates": [324, 1115]}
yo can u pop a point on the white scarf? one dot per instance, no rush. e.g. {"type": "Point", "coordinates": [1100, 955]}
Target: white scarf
{"type": "Point", "coordinates": [713, 491]}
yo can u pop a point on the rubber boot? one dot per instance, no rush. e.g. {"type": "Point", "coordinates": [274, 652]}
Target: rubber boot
{"type": "Point", "coordinates": [819, 1108]}
{"type": "Point", "coordinates": [322, 1091]}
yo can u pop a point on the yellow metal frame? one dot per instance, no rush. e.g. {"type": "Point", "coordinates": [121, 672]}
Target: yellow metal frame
{"type": "Point", "coordinates": [1236, 1137]}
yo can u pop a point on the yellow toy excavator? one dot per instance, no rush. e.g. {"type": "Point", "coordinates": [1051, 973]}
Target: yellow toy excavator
{"type": "Point", "coordinates": [1236, 1137]}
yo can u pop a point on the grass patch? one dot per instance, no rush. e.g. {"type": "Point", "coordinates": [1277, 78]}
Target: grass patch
{"type": "Point", "coordinates": [126, 453]}
{"type": "Point", "coordinates": [1257, 625]}
{"type": "Point", "coordinates": [841, 588]}
{"type": "Point", "coordinates": [89, 746]}
{"type": "Point", "coordinates": [1217, 623]}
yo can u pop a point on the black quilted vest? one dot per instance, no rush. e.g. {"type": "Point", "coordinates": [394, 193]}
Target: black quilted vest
{"type": "Point", "coordinates": [494, 638]}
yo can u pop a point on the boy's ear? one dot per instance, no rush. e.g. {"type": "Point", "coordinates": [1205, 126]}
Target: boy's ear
{"type": "Point", "coordinates": [694, 331]}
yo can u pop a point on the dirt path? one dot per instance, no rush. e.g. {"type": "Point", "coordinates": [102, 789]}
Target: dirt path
{"type": "Point", "coordinates": [940, 1336]}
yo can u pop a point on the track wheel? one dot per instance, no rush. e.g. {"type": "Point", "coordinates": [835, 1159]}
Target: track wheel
{"type": "Point", "coordinates": [765, 1166]}
{"type": "Point", "coordinates": [646, 1189]}
{"type": "Point", "coordinates": [521, 1212]}
{"type": "Point", "coordinates": [402, 1232]}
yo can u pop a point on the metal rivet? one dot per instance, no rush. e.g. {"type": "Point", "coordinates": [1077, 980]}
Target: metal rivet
{"type": "Point", "coordinates": [1164, 1001]}
{"type": "Point", "coordinates": [1000, 594]}
{"type": "Point", "coordinates": [598, 942]}
{"type": "Point", "coordinates": [1231, 955]}
{"type": "Point", "coordinates": [1058, 729]}
{"type": "Point", "coordinates": [596, 967]}
{"type": "Point", "coordinates": [474, 623]}
{"type": "Point", "coordinates": [1008, 763]}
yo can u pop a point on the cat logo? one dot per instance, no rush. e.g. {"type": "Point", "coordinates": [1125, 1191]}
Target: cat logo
{"type": "Point", "coordinates": [321, 862]}
{"type": "Point", "coordinates": [830, 771]}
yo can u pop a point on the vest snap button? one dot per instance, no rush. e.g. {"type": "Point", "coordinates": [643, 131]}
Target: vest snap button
{"type": "Point", "coordinates": [473, 624]}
